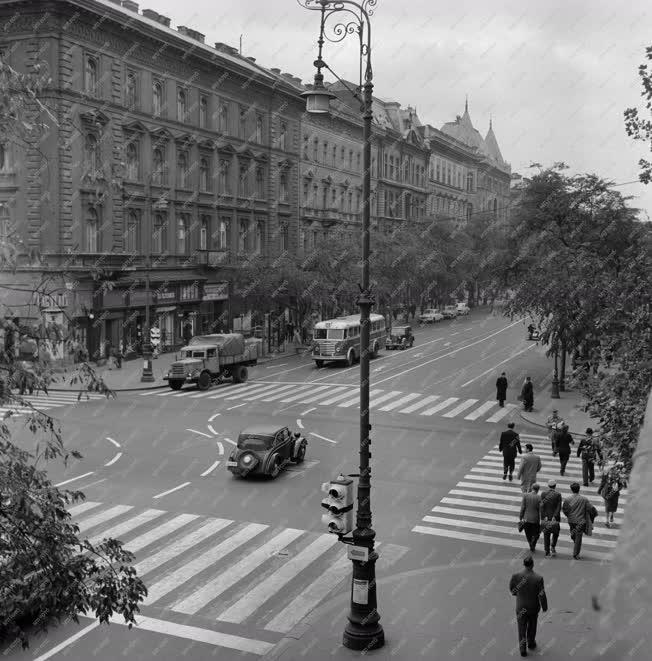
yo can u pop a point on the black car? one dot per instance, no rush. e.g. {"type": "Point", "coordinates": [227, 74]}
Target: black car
{"type": "Point", "coordinates": [266, 450]}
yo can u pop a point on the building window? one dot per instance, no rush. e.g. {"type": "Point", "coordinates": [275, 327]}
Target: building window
{"type": "Point", "coordinates": [242, 124]}
{"type": "Point", "coordinates": [132, 162]}
{"type": "Point", "coordinates": [158, 171]}
{"type": "Point", "coordinates": [242, 236]}
{"type": "Point", "coordinates": [4, 158]}
{"type": "Point", "coordinates": [358, 161]}
{"type": "Point", "coordinates": [157, 98]}
{"type": "Point", "coordinates": [334, 161]}
{"type": "Point", "coordinates": [182, 105]}
{"type": "Point", "coordinates": [324, 197]}
{"type": "Point", "coordinates": [224, 179]}
{"type": "Point", "coordinates": [131, 233]}
{"type": "Point", "coordinates": [243, 181]}
{"type": "Point", "coordinates": [90, 75]}
{"type": "Point", "coordinates": [223, 119]}
{"type": "Point", "coordinates": [259, 130]}
{"type": "Point", "coordinates": [182, 234]}
{"type": "Point", "coordinates": [305, 147]}
{"type": "Point", "coordinates": [391, 167]}
{"type": "Point", "coordinates": [283, 187]}
{"type": "Point", "coordinates": [189, 292]}
{"type": "Point", "coordinates": [222, 236]}
{"type": "Point", "coordinates": [204, 175]}
{"type": "Point", "coordinates": [258, 247]}
{"type": "Point", "coordinates": [385, 166]}
{"type": "Point", "coordinates": [469, 182]}
{"type": "Point", "coordinates": [5, 222]}
{"type": "Point", "coordinates": [325, 154]}
{"type": "Point", "coordinates": [350, 159]}
{"type": "Point", "coordinates": [315, 149]}
{"type": "Point", "coordinates": [182, 170]}
{"type": "Point", "coordinates": [334, 199]}
{"type": "Point", "coordinates": [204, 231]}
{"type": "Point", "coordinates": [284, 238]}
{"type": "Point", "coordinates": [160, 235]}
{"type": "Point", "coordinates": [437, 170]}
{"type": "Point", "coordinates": [282, 136]}
{"type": "Point", "coordinates": [131, 95]}
{"type": "Point", "coordinates": [260, 183]}
{"type": "Point", "coordinates": [91, 154]}
{"type": "Point", "coordinates": [92, 229]}
{"type": "Point", "coordinates": [343, 156]}
{"type": "Point", "coordinates": [350, 202]}
{"type": "Point", "coordinates": [203, 112]}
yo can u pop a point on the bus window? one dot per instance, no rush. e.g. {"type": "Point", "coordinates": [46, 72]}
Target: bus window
{"type": "Point", "coordinates": [320, 334]}
{"type": "Point", "coordinates": [334, 334]}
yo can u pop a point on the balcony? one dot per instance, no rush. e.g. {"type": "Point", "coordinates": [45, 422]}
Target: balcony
{"type": "Point", "coordinates": [214, 258]}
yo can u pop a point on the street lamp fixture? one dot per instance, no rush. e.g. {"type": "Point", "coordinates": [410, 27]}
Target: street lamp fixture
{"type": "Point", "coordinates": [363, 630]}
{"type": "Point", "coordinates": [554, 391]}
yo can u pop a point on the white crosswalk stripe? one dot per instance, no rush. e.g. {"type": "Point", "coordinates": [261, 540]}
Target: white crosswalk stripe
{"type": "Point", "coordinates": [439, 407]}
{"type": "Point", "coordinates": [399, 402]}
{"type": "Point", "coordinates": [356, 399]}
{"type": "Point", "coordinates": [53, 399]}
{"type": "Point", "coordinates": [482, 507]}
{"type": "Point", "coordinates": [459, 408]}
{"type": "Point", "coordinates": [501, 413]}
{"type": "Point", "coordinates": [487, 406]}
{"type": "Point", "coordinates": [194, 564]}
{"type": "Point", "coordinates": [420, 404]}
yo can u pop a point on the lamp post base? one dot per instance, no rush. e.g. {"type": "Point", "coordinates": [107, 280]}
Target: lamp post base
{"type": "Point", "coordinates": [554, 391]}
{"type": "Point", "coordinates": [367, 637]}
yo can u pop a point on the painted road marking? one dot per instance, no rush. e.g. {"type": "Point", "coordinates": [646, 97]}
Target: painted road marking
{"type": "Point", "coordinates": [337, 398]}
{"type": "Point", "coordinates": [311, 388]}
{"type": "Point", "coordinates": [459, 408]}
{"type": "Point", "coordinates": [169, 491]}
{"type": "Point", "coordinates": [211, 430]}
{"type": "Point", "coordinates": [82, 507]}
{"type": "Point", "coordinates": [383, 398]}
{"type": "Point", "coordinates": [254, 560]}
{"type": "Point", "coordinates": [438, 407]}
{"type": "Point", "coordinates": [220, 447]}
{"type": "Point", "coordinates": [356, 400]}
{"type": "Point", "coordinates": [502, 412]}
{"type": "Point", "coordinates": [102, 517]}
{"type": "Point", "coordinates": [215, 415]}
{"type": "Point", "coordinates": [237, 406]}
{"type": "Point", "coordinates": [211, 468]}
{"type": "Point", "coordinates": [256, 389]}
{"type": "Point", "coordinates": [293, 394]}
{"type": "Point", "coordinates": [117, 531]}
{"type": "Point", "coordinates": [278, 390]}
{"type": "Point", "coordinates": [228, 440]}
{"type": "Point", "coordinates": [307, 411]}
{"type": "Point", "coordinates": [69, 641]}
{"type": "Point", "coordinates": [323, 438]}
{"type": "Point", "coordinates": [117, 456]}
{"type": "Point", "coordinates": [73, 479]}
{"type": "Point", "coordinates": [163, 530]}
{"type": "Point", "coordinates": [331, 391]}
{"type": "Point", "coordinates": [399, 402]}
{"type": "Point", "coordinates": [493, 369]}
{"type": "Point", "coordinates": [487, 406]}
{"type": "Point", "coordinates": [299, 423]}
{"type": "Point", "coordinates": [108, 438]}
{"type": "Point", "coordinates": [201, 433]}
{"type": "Point", "coordinates": [421, 403]}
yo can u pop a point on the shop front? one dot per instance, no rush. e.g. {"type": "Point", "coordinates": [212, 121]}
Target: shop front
{"type": "Point", "coordinates": [214, 308]}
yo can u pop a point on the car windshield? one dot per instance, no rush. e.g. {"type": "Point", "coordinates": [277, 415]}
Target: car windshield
{"type": "Point", "coordinates": [320, 334]}
{"type": "Point", "coordinates": [254, 442]}
{"type": "Point", "coordinates": [189, 353]}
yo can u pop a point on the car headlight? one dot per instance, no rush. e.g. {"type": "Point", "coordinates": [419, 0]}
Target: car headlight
{"type": "Point", "coordinates": [248, 460]}
{"type": "Point", "coordinates": [338, 347]}
{"type": "Point", "coordinates": [316, 348]}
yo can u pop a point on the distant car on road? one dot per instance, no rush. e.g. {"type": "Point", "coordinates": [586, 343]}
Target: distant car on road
{"type": "Point", "coordinates": [450, 312]}
{"type": "Point", "coordinates": [463, 308]}
{"type": "Point", "coordinates": [266, 450]}
{"type": "Point", "coordinates": [430, 316]}
{"type": "Point", "coordinates": [400, 338]}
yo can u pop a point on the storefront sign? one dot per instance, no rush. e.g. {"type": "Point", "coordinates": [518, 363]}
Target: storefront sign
{"type": "Point", "coordinates": [216, 292]}
{"type": "Point", "coordinates": [166, 295]}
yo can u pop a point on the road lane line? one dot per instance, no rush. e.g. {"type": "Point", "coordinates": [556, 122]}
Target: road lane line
{"type": "Point", "coordinates": [235, 389]}
{"type": "Point", "coordinates": [420, 404]}
{"type": "Point", "coordinates": [283, 389]}
{"type": "Point", "coordinates": [237, 406]}
{"type": "Point", "coordinates": [228, 440]}
{"type": "Point", "coordinates": [383, 398]}
{"type": "Point", "coordinates": [270, 586]}
{"type": "Point", "coordinates": [307, 411]}
{"type": "Point", "coordinates": [220, 448]}
{"type": "Point", "coordinates": [211, 468]}
{"type": "Point", "coordinates": [92, 484]}
{"type": "Point", "coordinates": [271, 367]}
{"type": "Point", "coordinates": [323, 438]}
{"type": "Point", "coordinates": [102, 517]}
{"type": "Point", "coordinates": [68, 641]}
{"type": "Point", "coordinates": [439, 407]}
{"type": "Point", "coordinates": [356, 400]}
{"type": "Point", "coordinates": [140, 542]}
{"type": "Point", "coordinates": [204, 561]}
{"type": "Point", "coordinates": [167, 393]}
{"type": "Point", "coordinates": [492, 369]}
{"type": "Point", "coordinates": [211, 430]}
{"type": "Point", "coordinates": [117, 456]}
{"type": "Point", "coordinates": [115, 532]}
{"type": "Point", "coordinates": [332, 400]}
{"type": "Point", "coordinates": [108, 438]}
{"type": "Point", "coordinates": [501, 413]}
{"type": "Point", "coordinates": [207, 393]}
{"type": "Point", "coordinates": [75, 510]}
{"type": "Point", "coordinates": [215, 415]}
{"type": "Point", "coordinates": [292, 390]}
{"type": "Point", "coordinates": [257, 388]}
{"type": "Point", "coordinates": [460, 407]}
{"type": "Point", "coordinates": [480, 411]}
{"type": "Point", "coordinates": [311, 388]}
{"type": "Point", "coordinates": [399, 402]}
{"type": "Point", "coordinates": [299, 423]}
{"type": "Point", "coordinates": [169, 491]}
{"type": "Point", "coordinates": [72, 479]}
{"type": "Point", "coordinates": [201, 433]}
{"type": "Point", "coordinates": [332, 391]}
{"type": "Point", "coordinates": [181, 545]}
{"type": "Point", "coordinates": [229, 577]}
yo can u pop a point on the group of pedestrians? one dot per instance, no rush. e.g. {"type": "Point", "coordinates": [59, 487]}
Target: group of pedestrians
{"type": "Point", "coordinates": [526, 396]}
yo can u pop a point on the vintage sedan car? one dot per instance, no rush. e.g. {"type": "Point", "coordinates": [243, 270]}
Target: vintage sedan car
{"type": "Point", "coordinates": [266, 450]}
{"type": "Point", "coordinates": [463, 308]}
{"type": "Point", "coordinates": [450, 312]}
{"type": "Point", "coordinates": [400, 338]}
{"type": "Point", "coordinates": [430, 316]}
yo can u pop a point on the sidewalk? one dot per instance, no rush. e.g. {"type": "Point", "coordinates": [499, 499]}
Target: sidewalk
{"type": "Point", "coordinates": [570, 407]}
{"type": "Point", "coordinates": [128, 376]}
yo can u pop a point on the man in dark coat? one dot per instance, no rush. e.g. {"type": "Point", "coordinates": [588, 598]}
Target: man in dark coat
{"type": "Point", "coordinates": [527, 586]}
{"type": "Point", "coordinates": [501, 389]}
{"type": "Point", "coordinates": [550, 517]}
{"type": "Point", "coordinates": [527, 394]}
{"type": "Point", "coordinates": [564, 440]}
{"type": "Point", "coordinates": [509, 445]}
{"type": "Point", "coordinates": [589, 449]}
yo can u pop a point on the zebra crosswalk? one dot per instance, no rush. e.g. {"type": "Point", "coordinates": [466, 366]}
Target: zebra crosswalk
{"type": "Point", "coordinates": [241, 573]}
{"type": "Point", "coordinates": [42, 401]}
{"type": "Point", "coordinates": [482, 507]}
{"type": "Point", "coordinates": [340, 396]}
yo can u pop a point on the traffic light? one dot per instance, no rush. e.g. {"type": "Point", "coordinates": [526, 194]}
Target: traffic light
{"type": "Point", "coordinates": [339, 504]}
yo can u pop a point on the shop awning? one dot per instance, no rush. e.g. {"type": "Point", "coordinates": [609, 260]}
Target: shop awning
{"type": "Point", "coordinates": [169, 308]}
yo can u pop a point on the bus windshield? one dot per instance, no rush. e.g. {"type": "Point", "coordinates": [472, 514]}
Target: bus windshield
{"type": "Point", "coordinates": [335, 334]}
{"type": "Point", "coordinates": [320, 334]}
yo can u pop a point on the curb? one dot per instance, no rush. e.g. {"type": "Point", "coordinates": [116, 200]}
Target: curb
{"type": "Point", "coordinates": [544, 426]}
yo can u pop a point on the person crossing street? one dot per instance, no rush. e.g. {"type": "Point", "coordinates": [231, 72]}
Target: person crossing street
{"type": "Point", "coordinates": [552, 424]}
{"type": "Point", "coordinates": [580, 514]}
{"type": "Point", "coordinates": [509, 445]}
{"type": "Point", "coordinates": [530, 516]}
{"type": "Point", "coordinates": [588, 450]}
{"type": "Point", "coordinates": [528, 588]}
{"type": "Point", "coordinates": [527, 394]}
{"type": "Point", "coordinates": [563, 441]}
{"type": "Point", "coordinates": [501, 389]}
{"type": "Point", "coordinates": [550, 517]}
{"type": "Point", "coordinates": [528, 469]}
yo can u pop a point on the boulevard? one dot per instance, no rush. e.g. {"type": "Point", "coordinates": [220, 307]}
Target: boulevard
{"type": "Point", "coordinates": [234, 565]}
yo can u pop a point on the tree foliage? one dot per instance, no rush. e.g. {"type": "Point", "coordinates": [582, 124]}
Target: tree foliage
{"type": "Point", "coordinates": [638, 126]}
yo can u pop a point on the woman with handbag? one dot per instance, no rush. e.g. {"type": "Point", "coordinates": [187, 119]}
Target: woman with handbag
{"type": "Point", "coordinates": [613, 480]}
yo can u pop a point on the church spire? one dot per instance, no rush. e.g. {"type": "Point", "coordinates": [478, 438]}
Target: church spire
{"type": "Point", "coordinates": [466, 104]}
{"type": "Point", "coordinates": [490, 122]}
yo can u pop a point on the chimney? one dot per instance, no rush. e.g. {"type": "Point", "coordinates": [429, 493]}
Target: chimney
{"type": "Point", "coordinates": [151, 14]}
{"type": "Point", "coordinates": [130, 5]}
{"type": "Point", "coordinates": [182, 29]}
{"type": "Point", "coordinates": [199, 36]}
{"type": "Point", "coordinates": [287, 76]}
{"type": "Point", "coordinates": [276, 71]}
{"type": "Point", "coordinates": [164, 20]}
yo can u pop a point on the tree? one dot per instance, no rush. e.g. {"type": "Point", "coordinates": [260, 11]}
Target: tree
{"type": "Point", "coordinates": [640, 128]}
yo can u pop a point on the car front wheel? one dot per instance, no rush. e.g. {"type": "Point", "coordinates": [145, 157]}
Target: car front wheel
{"type": "Point", "coordinates": [301, 454]}
{"type": "Point", "coordinates": [276, 466]}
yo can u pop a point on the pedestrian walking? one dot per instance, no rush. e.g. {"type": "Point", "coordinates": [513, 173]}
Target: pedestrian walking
{"type": "Point", "coordinates": [552, 423]}
{"type": "Point", "coordinates": [527, 394]}
{"type": "Point", "coordinates": [501, 389]}
{"type": "Point", "coordinates": [580, 514]}
{"type": "Point", "coordinates": [530, 516]}
{"type": "Point", "coordinates": [563, 442]}
{"type": "Point", "coordinates": [528, 469]}
{"type": "Point", "coordinates": [509, 445]}
{"type": "Point", "coordinates": [550, 517]}
{"type": "Point", "coordinates": [290, 331]}
{"type": "Point", "coordinates": [528, 588]}
{"type": "Point", "coordinates": [588, 450]}
{"type": "Point", "coordinates": [612, 482]}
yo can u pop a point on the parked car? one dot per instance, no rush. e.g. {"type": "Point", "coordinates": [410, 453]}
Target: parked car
{"type": "Point", "coordinates": [450, 312]}
{"type": "Point", "coordinates": [266, 450]}
{"type": "Point", "coordinates": [400, 338]}
{"type": "Point", "coordinates": [430, 316]}
{"type": "Point", "coordinates": [463, 308]}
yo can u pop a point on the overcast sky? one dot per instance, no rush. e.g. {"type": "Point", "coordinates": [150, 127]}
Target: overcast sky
{"type": "Point", "coordinates": [554, 75]}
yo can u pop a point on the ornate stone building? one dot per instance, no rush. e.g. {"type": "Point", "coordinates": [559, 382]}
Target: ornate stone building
{"type": "Point", "coordinates": [163, 156]}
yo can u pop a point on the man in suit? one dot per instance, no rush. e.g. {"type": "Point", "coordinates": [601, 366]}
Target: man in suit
{"type": "Point", "coordinates": [589, 449]}
{"type": "Point", "coordinates": [528, 469]}
{"type": "Point", "coordinates": [531, 516]}
{"type": "Point", "coordinates": [580, 513]}
{"type": "Point", "coordinates": [564, 441]}
{"type": "Point", "coordinates": [527, 586]}
{"type": "Point", "coordinates": [509, 445]}
{"type": "Point", "coordinates": [501, 389]}
{"type": "Point", "coordinates": [550, 517]}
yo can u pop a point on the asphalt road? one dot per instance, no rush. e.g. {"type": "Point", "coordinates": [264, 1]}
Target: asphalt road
{"type": "Point", "coordinates": [232, 565]}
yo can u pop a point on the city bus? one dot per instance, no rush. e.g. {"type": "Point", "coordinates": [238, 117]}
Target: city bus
{"type": "Point", "coordinates": [339, 339]}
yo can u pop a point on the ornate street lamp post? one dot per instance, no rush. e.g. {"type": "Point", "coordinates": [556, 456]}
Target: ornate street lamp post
{"type": "Point", "coordinates": [363, 630]}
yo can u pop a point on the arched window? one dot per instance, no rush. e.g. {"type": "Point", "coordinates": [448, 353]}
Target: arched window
{"type": "Point", "coordinates": [325, 154]}
{"type": "Point", "coordinates": [182, 170]}
{"type": "Point", "coordinates": [132, 162]}
{"type": "Point", "coordinates": [130, 90]}
{"type": "Point", "coordinates": [281, 137]}
{"type": "Point", "coordinates": [203, 232]}
{"type": "Point", "coordinates": [91, 230]}
{"type": "Point", "coordinates": [131, 232]}
{"type": "Point", "coordinates": [204, 175]}
{"type": "Point", "coordinates": [334, 163]}
{"type": "Point", "coordinates": [495, 209]}
{"type": "Point", "coordinates": [158, 172]}
{"type": "Point", "coordinates": [242, 124]}
{"type": "Point", "coordinates": [222, 235]}
{"type": "Point", "coordinates": [259, 238]}
{"type": "Point", "coordinates": [283, 187]}
{"type": "Point", "coordinates": [182, 234]}
{"type": "Point", "coordinates": [259, 129]}
{"type": "Point", "coordinates": [242, 236]}
{"type": "Point", "coordinates": [90, 74]}
{"type": "Point", "coordinates": [182, 107]}
{"type": "Point", "coordinates": [260, 183]}
{"type": "Point", "coordinates": [160, 236]}
{"type": "Point", "coordinates": [224, 182]}
{"type": "Point", "coordinates": [243, 181]}
{"type": "Point", "coordinates": [157, 98]}
{"type": "Point", "coordinates": [203, 112]}
{"type": "Point", "coordinates": [284, 238]}
{"type": "Point", "coordinates": [5, 222]}
{"type": "Point", "coordinates": [315, 149]}
{"type": "Point", "coordinates": [223, 119]}
{"type": "Point", "coordinates": [91, 155]}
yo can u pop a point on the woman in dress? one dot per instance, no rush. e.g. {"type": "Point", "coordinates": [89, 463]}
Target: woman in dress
{"type": "Point", "coordinates": [613, 481]}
